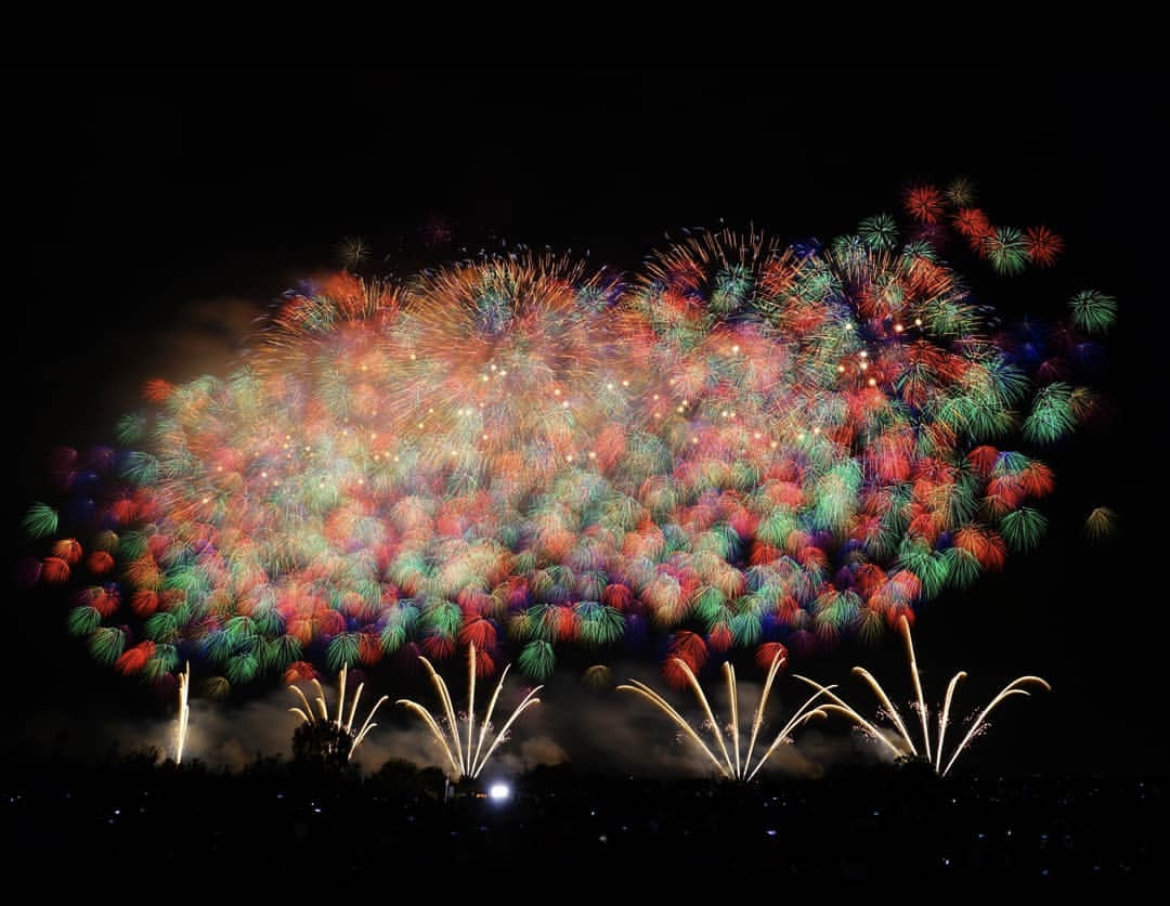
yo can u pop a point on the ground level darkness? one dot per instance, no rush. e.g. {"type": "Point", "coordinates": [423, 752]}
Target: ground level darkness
{"type": "Point", "coordinates": [891, 824]}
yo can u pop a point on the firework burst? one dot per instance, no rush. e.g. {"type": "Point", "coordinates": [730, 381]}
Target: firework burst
{"type": "Point", "coordinates": [744, 444]}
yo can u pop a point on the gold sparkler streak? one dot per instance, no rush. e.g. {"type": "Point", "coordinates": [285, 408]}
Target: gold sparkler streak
{"type": "Point", "coordinates": [944, 717]}
{"type": "Point", "coordinates": [184, 713]}
{"type": "Point", "coordinates": [839, 706]}
{"type": "Point", "coordinates": [1012, 688]}
{"type": "Point", "coordinates": [905, 625]}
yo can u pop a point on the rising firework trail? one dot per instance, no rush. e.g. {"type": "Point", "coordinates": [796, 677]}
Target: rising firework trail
{"type": "Point", "coordinates": [466, 757]}
{"type": "Point", "coordinates": [184, 713]}
{"type": "Point", "coordinates": [903, 746]}
{"type": "Point", "coordinates": [733, 763]}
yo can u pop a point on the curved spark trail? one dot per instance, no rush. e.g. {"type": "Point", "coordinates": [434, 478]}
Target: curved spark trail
{"type": "Point", "coordinates": [342, 723]}
{"type": "Point", "coordinates": [464, 758]}
{"type": "Point", "coordinates": [729, 762]}
{"type": "Point", "coordinates": [905, 746]}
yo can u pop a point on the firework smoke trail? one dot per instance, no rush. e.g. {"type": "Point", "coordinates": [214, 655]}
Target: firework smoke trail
{"type": "Point", "coordinates": [839, 706]}
{"type": "Point", "coordinates": [743, 445]}
{"type": "Point", "coordinates": [184, 715]}
{"type": "Point", "coordinates": [732, 765]}
{"type": "Point", "coordinates": [343, 724]}
{"type": "Point", "coordinates": [464, 760]}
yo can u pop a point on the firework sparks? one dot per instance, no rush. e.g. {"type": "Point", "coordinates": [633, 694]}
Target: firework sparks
{"type": "Point", "coordinates": [1101, 524]}
{"type": "Point", "coordinates": [903, 745]}
{"type": "Point", "coordinates": [743, 445]}
{"type": "Point", "coordinates": [184, 715]}
{"type": "Point", "coordinates": [733, 763]}
{"type": "Point", "coordinates": [342, 723]}
{"type": "Point", "coordinates": [467, 756]}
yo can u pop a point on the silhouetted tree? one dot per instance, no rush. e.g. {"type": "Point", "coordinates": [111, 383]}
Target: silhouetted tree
{"type": "Point", "coordinates": [322, 744]}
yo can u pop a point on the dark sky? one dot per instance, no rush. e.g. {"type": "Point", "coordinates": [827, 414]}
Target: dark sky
{"type": "Point", "coordinates": [146, 206]}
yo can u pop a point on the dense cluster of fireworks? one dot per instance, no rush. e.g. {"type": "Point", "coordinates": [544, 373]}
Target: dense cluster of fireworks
{"type": "Point", "coordinates": [746, 445]}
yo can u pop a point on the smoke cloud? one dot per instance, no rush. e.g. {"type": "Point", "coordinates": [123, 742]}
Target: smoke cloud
{"type": "Point", "coordinates": [596, 730]}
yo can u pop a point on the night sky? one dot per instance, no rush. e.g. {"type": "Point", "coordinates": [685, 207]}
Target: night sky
{"type": "Point", "coordinates": [152, 216]}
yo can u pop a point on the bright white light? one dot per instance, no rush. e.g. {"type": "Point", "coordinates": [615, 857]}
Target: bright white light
{"type": "Point", "coordinates": [499, 792]}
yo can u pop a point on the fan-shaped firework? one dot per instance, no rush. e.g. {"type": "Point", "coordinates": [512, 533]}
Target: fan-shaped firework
{"type": "Point", "coordinates": [903, 746]}
{"type": "Point", "coordinates": [746, 444]}
{"type": "Point", "coordinates": [338, 736]}
{"type": "Point", "coordinates": [468, 758]}
{"type": "Point", "coordinates": [732, 761]}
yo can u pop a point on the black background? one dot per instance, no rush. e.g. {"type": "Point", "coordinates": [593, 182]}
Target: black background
{"type": "Point", "coordinates": [129, 195]}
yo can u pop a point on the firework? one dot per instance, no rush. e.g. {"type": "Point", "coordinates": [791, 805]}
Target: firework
{"type": "Point", "coordinates": [903, 745]}
{"type": "Point", "coordinates": [1044, 246]}
{"type": "Point", "coordinates": [353, 251]}
{"type": "Point", "coordinates": [1093, 310]}
{"type": "Point", "coordinates": [1101, 524]}
{"type": "Point", "coordinates": [467, 757]}
{"type": "Point", "coordinates": [1008, 250]}
{"type": "Point", "coordinates": [742, 445]}
{"type": "Point", "coordinates": [733, 763]}
{"type": "Point", "coordinates": [184, 715]}
{"type": "Point", "coordinates": [340, 726]}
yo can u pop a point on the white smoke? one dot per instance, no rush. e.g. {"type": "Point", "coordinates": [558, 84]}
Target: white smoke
{"type": "Point", "coordinates": [603, 731]}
